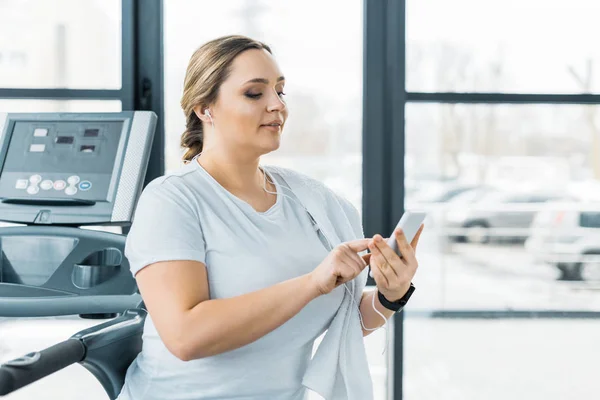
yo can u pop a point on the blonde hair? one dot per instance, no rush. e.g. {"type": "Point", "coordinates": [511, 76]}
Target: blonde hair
{"type": "Point", "coordinates": [209, 67]}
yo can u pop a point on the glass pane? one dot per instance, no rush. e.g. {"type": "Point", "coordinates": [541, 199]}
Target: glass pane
{"type": "Point", "coordinates": [322, 137]}
{"type": "Point", "coordinates": [500, 359]}
{"type": "Point", "coordinates": [35, 106]}
{"type": "Point", "coordinates": [507, 188]}
{"type": "Point", "coordinates": [60, 44]}
{"type": "Point", "coordinates": [512, 192]}
{"type": "Point", "coordinates": [516, 46]}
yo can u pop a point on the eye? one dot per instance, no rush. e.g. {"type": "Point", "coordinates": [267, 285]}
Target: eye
{"type": "Point", "coordinates": [281, 94]}
{"type": "Point", "coordinates": [253, 95]}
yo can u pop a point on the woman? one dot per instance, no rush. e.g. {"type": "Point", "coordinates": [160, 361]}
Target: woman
{"type": "Point", "coordinates": [242, 267]}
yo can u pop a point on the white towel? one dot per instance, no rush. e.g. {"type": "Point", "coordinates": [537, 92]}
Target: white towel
{"type": "Point", "coordinates": [339, 369]}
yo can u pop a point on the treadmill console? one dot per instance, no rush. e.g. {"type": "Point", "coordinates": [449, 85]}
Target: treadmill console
{"type": "Point", "coordinates": [73, 169]}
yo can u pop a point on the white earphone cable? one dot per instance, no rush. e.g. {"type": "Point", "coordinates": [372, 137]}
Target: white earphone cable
{"type": "Point", "coordinates": [330, 248]}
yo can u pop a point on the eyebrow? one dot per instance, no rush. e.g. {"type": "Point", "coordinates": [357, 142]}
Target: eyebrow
{"type": "Point", "coordinates": [263, 80]}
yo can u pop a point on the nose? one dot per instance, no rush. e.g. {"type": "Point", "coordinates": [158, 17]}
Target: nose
{"type": "Point", "coordinates": [276, 103]}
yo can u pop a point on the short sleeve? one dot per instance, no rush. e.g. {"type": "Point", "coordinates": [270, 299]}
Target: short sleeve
{"type": "Point", "coordinates": [164, 228]}
{"type": "Point", "coordinates": [353, 216]}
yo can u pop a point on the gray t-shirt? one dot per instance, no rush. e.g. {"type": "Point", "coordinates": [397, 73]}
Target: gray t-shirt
{"type": "Point", "coordinates": [188, 215]}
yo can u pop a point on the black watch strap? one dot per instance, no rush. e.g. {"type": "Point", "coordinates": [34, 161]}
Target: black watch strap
{"type": "Point", "coordinates": [400, 303]}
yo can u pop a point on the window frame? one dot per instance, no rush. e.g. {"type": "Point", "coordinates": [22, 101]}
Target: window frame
{"type": "Point", "coordinates": [141, 74]}
{"type": "Point", "coordinates": [384, 103]}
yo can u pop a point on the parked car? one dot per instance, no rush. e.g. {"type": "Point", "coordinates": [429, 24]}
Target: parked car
{"type": "Point", "coordinates": [441, 193]}
{"type": "Point", "coordinates": [495, 214]}
{"type": "Point", "coordinates": [568, 238]}
{"type": "Point", "coordinates": [439, 202]}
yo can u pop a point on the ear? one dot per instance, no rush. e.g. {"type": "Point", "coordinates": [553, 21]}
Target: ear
{"type": "Point", "coordinates": [199, 111]}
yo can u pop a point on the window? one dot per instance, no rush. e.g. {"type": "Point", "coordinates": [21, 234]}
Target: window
{"type": "Point", "coordinates": [513, 46]}
{"type": "Point", "coordinates": [34, 106]}
{"type": "Point", "coordinates": [60, 44]}
{"type": "Point", "coordinates": [322, 137]}
{"type": "Point", "coordinates": [590, 220]}
{"type": "Point", "coordinates": [483, 260]}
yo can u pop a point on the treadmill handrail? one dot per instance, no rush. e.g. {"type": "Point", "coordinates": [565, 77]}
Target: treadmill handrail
{"type": "Point", "coordinates": [67, 305]}
{"type": "Point", "coordinates": [106, 350]}
{"type": "Point", "coordinates": [15, 375]}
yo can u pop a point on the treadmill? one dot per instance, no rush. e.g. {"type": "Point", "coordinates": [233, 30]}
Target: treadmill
{"type": "Point", "coordinates": [60, 172]}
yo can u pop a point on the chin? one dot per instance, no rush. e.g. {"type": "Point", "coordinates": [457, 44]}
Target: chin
{"type": "Point", "coordinates": [273, 148]}
{"type": "Point", "coordinates": [270, 147]}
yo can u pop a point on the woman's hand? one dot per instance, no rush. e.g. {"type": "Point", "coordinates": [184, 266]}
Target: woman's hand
{"type": "Point", "coordinates": [341, 265]}
{"type": "Point", "coordinates": [393, 274]}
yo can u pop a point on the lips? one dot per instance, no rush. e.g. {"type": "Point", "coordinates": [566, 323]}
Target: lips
{"type": "Point", "coordinates": [274, 123]}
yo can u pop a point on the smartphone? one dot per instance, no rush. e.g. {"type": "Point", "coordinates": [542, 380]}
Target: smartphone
{"type": "Point", "coordinates": [410, 222]}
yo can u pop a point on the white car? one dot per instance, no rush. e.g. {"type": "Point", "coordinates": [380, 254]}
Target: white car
{"type": "Point", "coordinates": [488, 214]}
{"type": "Point", "coordinates": [567, 236]}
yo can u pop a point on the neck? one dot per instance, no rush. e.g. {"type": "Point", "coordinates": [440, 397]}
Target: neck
{"type": "Point", "coordinates": [235, 173]}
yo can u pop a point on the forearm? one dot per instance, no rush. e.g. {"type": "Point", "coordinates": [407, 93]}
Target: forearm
{"type": "Point", "coordinates": [216, 326]}
{"type": "Point", "coordinates": [370, 318]}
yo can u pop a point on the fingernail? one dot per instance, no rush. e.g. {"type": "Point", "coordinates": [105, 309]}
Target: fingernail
{"type": "Point", "coordinates": [377, 238]}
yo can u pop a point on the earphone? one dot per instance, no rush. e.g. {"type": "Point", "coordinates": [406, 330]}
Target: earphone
{"type": "Point", "coordinates": [329, 247]}
{"type": "Point", "coordinates": [207, 113]}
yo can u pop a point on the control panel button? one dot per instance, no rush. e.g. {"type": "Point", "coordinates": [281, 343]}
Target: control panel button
{"type": "Point", "coordinates": [44, 216]}
{"type": "Point", "coordinates": [40, 132]}
{"type": "Point", "coordinates": [37, 148]}
{"type": "Point", "coordinates": [47, 184]}
{"type": "Point", "coordinates": [73, 180]}
{"type": "Point", "coordinates": [71, 190]}
{"type": "Point", "coordinates": [85, 185]}
{"type": "Point", "coordinates": [22, 184]}
{"type": "Point", "coordinates": [35, 179]}
{"type": "Point", "coordinates": [33, 189]}
{"type": "Point", "coordinates": [60, 185]}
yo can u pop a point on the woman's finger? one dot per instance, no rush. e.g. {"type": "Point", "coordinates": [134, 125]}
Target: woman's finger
{"type": "Point", "coordinates": [345, 269]}
{"type": "Point", "coordinates": [379, 277]}
{"type": "Point", "coordinates": [353, 260]}
{"type": "Point", "coordinates": [415, 240]}
{"type": "Point", "coordinates": [408, 253]}
{"type": "Point", "coordinates": [387, 252]}
{"type": "Point", "coordinates": [367, 258]}
{"type": "Point", "coordinates": [383, 263]}
{"type": "Point", "coordinates": [359, 261]}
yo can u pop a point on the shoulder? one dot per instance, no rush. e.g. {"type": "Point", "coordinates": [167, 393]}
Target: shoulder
{"type": "Point", "coordinates": [172, 189]}
{"type": "Point", "coordinates": [172, 182]}
{"type": "Point", "coordinates": [295, 179]}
